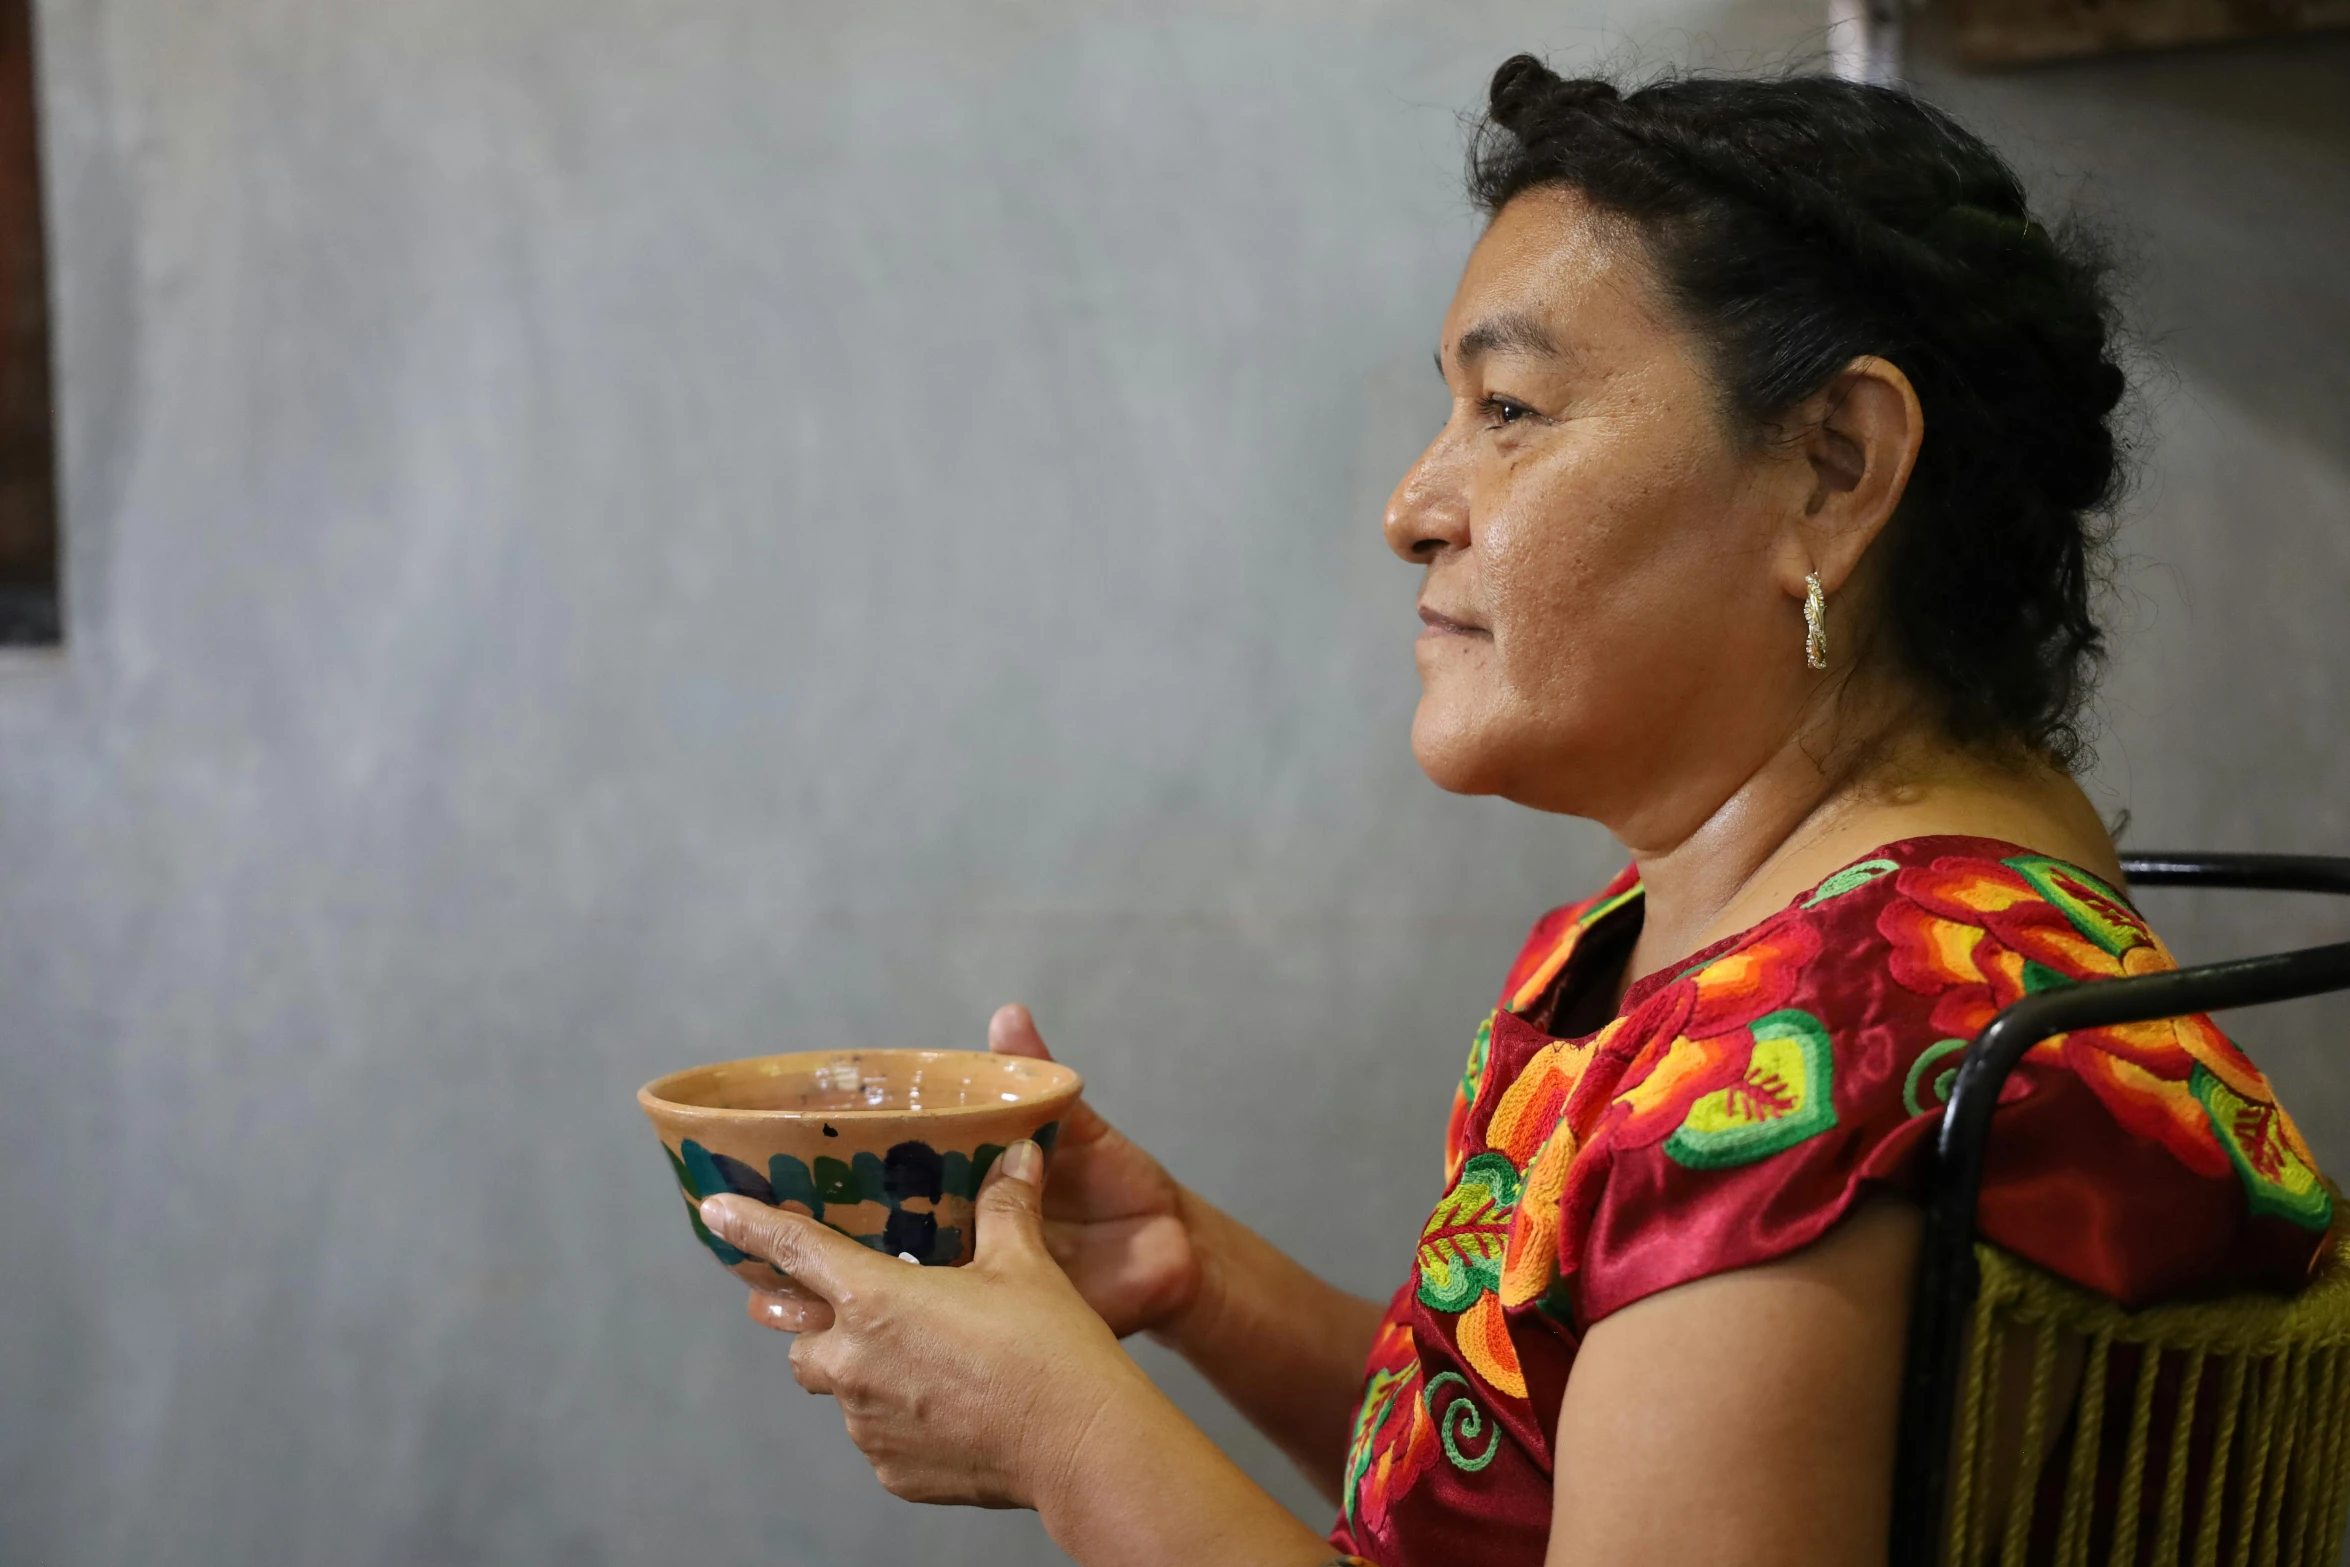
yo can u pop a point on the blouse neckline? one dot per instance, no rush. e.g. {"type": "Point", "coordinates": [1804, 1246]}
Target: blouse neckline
{"type": "Point", "coordinates": [1631, 904]}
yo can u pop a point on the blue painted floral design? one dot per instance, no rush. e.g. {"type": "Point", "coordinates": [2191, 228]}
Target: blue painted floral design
{"type": "Point", "coordinates": [908, 1174]}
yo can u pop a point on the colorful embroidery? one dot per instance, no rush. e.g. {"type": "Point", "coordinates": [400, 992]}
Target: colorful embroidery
{"type": "Point", "coordinates": [1528, 989]}
{"type": "Point", "coordinates": [1394, 1440]}
{"type": "Point", "coordinates": [1786, 1095]}
{"type": "Point", "coordinates": [1530, 1262]}
{"type": "Point", "coordinates": [2276, 1179]}
{"type": "Point", "coordinates": [1463, 1102]}
{"type": "Point", "coordinates": [1976, 935]}
{"type": "Point", "coordinates": [1584, 1175]}
{"type": "Point", "coordinates": [1530, 1108]}
{"type": "Point", "coordinates": [1483, 1334]}
{"type": "Point", "coordinates": [1939, 1051]}
{"type": "Point", "coordinates": [1461, 1244]}
{"type": "Point", "coordinates": [1704, 1018]}
{"type": "Point", "coordinates": [1850, 879]}
{"type": "Point", "coordinates": [1461, 1418]}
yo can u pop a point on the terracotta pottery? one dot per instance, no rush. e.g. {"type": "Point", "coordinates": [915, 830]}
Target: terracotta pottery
{"type": "Point", "coordinates": [886, 1146]}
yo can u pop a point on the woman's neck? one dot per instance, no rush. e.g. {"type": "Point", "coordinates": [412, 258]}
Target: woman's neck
{"type": "Point", "coordinates": [1792, 823]}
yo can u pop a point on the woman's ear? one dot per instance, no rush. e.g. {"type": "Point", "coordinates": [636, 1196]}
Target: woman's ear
{"type": "Point", "coordinates": [1860, 437]}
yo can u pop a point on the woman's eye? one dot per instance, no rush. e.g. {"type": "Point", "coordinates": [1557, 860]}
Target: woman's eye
{"type": "Point", "coordinates": [1504, 410]}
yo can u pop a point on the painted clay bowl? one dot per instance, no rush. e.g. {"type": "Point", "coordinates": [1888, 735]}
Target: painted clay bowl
{"type": "Point", "coordinates": [888, 1147]}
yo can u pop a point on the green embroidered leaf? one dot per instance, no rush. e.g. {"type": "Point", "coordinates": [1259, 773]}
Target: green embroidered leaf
{"type": "Point", "coordinates": [1850, 879]}
{"type": "Point", "coordinates": [1378, 1398]}
{"type": "Point", "coordinates": [1474, 1072]}
{"type": "Point", "coordinates": [1462, 1243]}
{"type": "Point", "coordinates": [1787, 1095]}
{"type": "Point", "coordinates": [2094, 909]}
{"type": "Point", "coordinates": [2276, 1181]}
{"type": "Point", "coordinates": [2039, 976]}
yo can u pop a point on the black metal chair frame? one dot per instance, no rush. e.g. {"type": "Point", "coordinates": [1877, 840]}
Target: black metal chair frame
{"type": "Point", "coordinates": [1947, 1280]}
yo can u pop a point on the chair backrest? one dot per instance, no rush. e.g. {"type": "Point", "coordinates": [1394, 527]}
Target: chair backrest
{"type": "Point", "coordinates": [1971, 1302]}
{"type": "Point", "coordinates": [2213, 1432]}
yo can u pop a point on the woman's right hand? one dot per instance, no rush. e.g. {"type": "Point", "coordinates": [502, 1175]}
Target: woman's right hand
{"type": "Point", "coordinates": [1113, 1217]}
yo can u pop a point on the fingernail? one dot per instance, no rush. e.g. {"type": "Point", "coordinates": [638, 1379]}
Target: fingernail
{"type": "Point", "coordinates": [715, 1216]}
{"type": "Point", "coordinates": [1023, 1161]}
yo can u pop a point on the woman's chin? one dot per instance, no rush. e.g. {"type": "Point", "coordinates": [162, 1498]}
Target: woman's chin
{"type": "Point", "coordinates": [1458, 757]}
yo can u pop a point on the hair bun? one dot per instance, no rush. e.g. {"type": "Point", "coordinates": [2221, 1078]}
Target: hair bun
{"type": "Point", "coordinates": [1524, 85]}
{"type": "Point", "coordinates": [2107, 386]}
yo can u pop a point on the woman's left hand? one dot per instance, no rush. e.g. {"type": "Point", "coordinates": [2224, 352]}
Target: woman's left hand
{"type": "Point", "coordinates": [975, 1384]}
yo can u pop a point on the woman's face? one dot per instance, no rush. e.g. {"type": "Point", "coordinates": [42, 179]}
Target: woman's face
{"type": "Point", "coordinates": [1609, 629]}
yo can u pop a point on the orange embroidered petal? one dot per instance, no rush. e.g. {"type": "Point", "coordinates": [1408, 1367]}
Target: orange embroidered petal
{"type": "Point", "coordinates": [1965, 889]}
{"type": "Point", "coordinates": [2151, 1106]}
{"type": "Point", "coordinates": [1529, 989]}
{"type": "Point", "coordinates": [2153, 1046]}
{"type": "Point", "coordinates": [1740, 986]}
{"type": "Point", "coordinates": [1410, 1455]}
{"type": "Point", "coordinates": [1661, 1096]}
{"type": "Point", "coordinates": [1929, 953]}
{"type": "Point", "coordinates": [2202, 1041]}
{"type": "Point", "coordinates": [1534, 1103]}
{"type": "Point", "coordinates": [1484, 1335]}
{"type": "Point", "coordinates": [1962, 1012]}
{"type": "Point", "coordinates": [2066, 950]}
{"type": "Point", "coordinates": [1531, 1260]}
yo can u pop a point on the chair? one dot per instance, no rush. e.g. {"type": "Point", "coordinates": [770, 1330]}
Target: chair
{"type": "Point", "coordinates": [2253, 1391]}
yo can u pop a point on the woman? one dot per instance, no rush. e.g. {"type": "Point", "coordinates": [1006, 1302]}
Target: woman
{"type": "Point", "coordinates": [1760, 534]}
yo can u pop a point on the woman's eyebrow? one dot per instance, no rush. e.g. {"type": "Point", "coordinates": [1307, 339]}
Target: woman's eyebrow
{"type": "Point", "coordinates": [1513, 331]}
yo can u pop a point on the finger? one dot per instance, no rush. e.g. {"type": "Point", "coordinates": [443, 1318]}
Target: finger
{"type": "Point", "coordinates": [822, 1261]}
{"type": "Point", "coordinates": [1010, 1217]}
{"type": "Point", "coordinates": [1012, 1032]}
{"type": "Point", "coordinates": [808, 1367]}
{"type": "Point", "coordinates": [795, 1312]}
{"type": "Point", "coordinates": [789, 1290]}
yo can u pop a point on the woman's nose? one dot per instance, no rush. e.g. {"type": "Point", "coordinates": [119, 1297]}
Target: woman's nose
{"type": "Point", "coordinates": [1429, 511]}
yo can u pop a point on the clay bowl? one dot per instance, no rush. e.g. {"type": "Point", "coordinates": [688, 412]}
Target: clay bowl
{"type": "Point", "coordinates": [886, 1146]}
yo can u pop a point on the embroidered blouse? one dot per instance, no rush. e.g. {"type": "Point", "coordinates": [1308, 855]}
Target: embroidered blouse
{"type": "Point", "coordinates": [1734, 1109]}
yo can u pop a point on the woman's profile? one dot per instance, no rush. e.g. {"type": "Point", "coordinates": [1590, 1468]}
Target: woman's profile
{"type": "Point", "coordinates": [1763, 531]}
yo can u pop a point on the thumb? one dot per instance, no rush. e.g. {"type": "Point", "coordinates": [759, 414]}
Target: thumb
{"type": "Point", "coordinates": [1013, 1032]}
{"type": "Point", "coordinates": [1008, 1217]}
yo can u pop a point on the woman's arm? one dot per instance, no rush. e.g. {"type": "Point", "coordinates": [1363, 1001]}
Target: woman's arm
{"type": "Point", "coordinates": [1746, 1420]}
{"type": "Point", "coordinates": [1286, 1348]}
{"type": "Point", "coordinates": [1151, 1256]}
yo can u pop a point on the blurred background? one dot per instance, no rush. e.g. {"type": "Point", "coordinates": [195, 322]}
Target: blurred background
{"type": "Point", "coordinates": [609, 535]}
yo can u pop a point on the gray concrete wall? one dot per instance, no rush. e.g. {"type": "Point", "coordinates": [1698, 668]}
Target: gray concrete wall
{"type": "Point", "coordinates": [611, 535]}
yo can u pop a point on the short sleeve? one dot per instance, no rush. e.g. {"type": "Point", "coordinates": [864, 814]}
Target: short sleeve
{"type": "Point", "coordinates": [1786, 1079]}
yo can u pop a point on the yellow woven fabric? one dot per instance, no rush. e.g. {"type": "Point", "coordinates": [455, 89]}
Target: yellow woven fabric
{"type": "Point", "coordinates": [2238, 1416]}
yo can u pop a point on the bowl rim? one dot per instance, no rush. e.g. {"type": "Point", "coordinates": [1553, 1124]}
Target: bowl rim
{"type": "Point", "coordinates": [1067, 1086]}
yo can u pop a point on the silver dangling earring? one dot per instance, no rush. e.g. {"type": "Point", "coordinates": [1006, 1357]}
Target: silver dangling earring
{"type": "Point", "coordinates": [1815, 627]}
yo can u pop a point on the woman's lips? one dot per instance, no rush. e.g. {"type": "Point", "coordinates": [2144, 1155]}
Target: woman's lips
{"type": "Point", "coordinates": [1435, 624]}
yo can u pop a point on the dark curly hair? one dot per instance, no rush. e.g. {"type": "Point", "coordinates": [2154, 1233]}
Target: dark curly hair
{"type": "Point", "coordinates": [1798, 223]}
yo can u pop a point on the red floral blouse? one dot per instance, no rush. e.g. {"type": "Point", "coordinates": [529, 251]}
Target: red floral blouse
{"type": "Point", "coordinates": [1733, 1110]}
